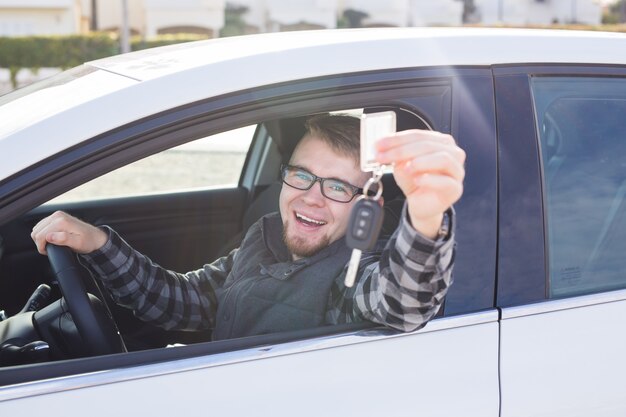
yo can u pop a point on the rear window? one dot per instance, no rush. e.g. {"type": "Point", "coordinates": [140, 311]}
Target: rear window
{"type": "Point", "coordinates": [582, 131]}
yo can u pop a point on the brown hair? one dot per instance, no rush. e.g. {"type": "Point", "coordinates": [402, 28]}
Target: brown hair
{"type": "Point", "coordinates": [340, 131]}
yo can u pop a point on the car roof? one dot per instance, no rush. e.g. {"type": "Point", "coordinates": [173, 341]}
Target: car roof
{"type": "Point", "coordinates": [369, 48]}
{"type": "Point", "coordinates": [107, 93]}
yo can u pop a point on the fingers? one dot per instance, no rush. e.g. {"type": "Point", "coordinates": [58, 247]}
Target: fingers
{"type": "Point", "coordinates": [441, 190]}
{"type": "Point", "coordinates": [64, 230]}
{"type": "Point", "coordinates": [438, 163]}
{"type": "Point", "coordinates": [419, 152]}
{"type": "Point", "coordinates": [411, 144]}
{"type": "Point", "coordinates": [41, 231]}
{"type": "Point", "coordinates": [449, 189]}
{"type": "Point", "coordinates": [430, 169]}
{"type": "Point", "coordinates": [410, 136]}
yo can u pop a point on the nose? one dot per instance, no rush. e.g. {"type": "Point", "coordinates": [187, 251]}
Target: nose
{"type": "Point", "coordinates": [313, 196]}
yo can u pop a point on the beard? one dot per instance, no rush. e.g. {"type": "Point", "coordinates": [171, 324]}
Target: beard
{"type": "Point", "coordinates": [302, 247]}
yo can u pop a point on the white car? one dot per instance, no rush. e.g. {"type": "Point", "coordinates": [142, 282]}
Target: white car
{"type": "Point", "coordinates": [178, 149]}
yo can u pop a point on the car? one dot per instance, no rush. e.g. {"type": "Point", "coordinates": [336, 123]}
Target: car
{"type": "Point", "coordinates": [178, 148]}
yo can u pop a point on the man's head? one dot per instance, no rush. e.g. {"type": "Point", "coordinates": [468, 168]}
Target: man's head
{"type": "Point", "coordinates": [329, 150]}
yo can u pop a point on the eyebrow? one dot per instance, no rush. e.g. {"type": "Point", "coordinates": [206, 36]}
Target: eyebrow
{"type": "Point", "coordinates": [329, 178]}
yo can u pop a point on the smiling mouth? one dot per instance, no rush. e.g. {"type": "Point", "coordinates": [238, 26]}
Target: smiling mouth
{"type": "Point", "coordinates": [307, 221]}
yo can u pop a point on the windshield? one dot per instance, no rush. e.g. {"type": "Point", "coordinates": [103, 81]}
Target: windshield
{"type": "Point", "coordinates": [58, 79]}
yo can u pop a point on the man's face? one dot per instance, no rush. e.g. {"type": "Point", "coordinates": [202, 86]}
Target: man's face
{"type": "Point", "coordinates": [311, 221]}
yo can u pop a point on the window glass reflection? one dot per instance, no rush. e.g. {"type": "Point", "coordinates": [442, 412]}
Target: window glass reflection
{"type": "Point", "coordinates": [582, 130]}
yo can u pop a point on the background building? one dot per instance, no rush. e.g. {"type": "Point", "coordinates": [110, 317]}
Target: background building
{"type": "Point", "coordinates": [213, 18]}
{"type": "Point", "coordinates": [149, 18]}
{"type": "Point", "coordinates": [40, 17]}
{"type": "Point", "coordinates": [538, 12]}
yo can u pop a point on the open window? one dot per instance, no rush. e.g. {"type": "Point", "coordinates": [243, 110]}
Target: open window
{"type": "Point", "coordinates": [183, 207]}
{"type": "Point", "coordinates": [186, 227]}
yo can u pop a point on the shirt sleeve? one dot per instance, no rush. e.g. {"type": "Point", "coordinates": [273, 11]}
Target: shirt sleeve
{"type": "Point", "coordinates": [162, 297]}
{"type": "Point", "coordinates": [403, 286]}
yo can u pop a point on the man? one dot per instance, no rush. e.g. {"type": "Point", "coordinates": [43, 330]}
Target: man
{"type": "Point", "coordinates": [288, 272]}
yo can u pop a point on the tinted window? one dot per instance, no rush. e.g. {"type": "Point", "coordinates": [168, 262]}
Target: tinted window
{"type": "Point", "coordinates": [582, 130]}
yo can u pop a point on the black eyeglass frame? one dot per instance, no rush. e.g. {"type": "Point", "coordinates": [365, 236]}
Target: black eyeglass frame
{"type": "Point", "coordinates": [285, 167]}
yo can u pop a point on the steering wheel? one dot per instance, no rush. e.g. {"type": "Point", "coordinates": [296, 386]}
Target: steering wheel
{"type": "Point", "coordinates": [91, 317]}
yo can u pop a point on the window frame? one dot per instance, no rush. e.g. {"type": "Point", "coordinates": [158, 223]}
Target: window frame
{"type": "Point", "coordinates": [522, 276]}
{"type": "Point", "coordinates": [126, 144]}
{"type": "Point", "coordinates": [180, 187]}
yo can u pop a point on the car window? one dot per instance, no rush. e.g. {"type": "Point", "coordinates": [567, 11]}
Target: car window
{"type": "Point", "coordinates": [215, 160]}
{"type": "Point", "coordinates": [582, 131]}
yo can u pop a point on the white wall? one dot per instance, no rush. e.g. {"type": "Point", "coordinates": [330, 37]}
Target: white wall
{"type": "Point", "coordinates": [581, 11]}
{"type": "Point", "coordinates": [256, 15]}
{"type": "Point", "coordinates": [408, 12]}
{"type": "Point", "coordinates": [521, 12]}
{"type": "Point", "coordinates": [433, 13]}
{"type": "Point", "coordinates": [39, 17]}
{"type": "Point", "coordinates": [110, 15]}
{"type": "Point", "coordinates": [161, 14]}
{"type": "Point", "coordinates": [289, 12]}
{"type": "Point", "coordinates": [388, 13]}
{"type": "Point", "coordinates": [38, 4]}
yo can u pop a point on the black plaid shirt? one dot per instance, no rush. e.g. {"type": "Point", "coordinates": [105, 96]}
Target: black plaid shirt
{"type": "Point", "coordinates": [401, 286]}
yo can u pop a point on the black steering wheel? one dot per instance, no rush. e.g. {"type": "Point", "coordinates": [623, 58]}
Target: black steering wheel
{"type": "Point", "coordinates": [90, 315]}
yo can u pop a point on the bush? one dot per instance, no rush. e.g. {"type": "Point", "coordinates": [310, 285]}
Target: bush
{"type": "Point", "coordinates": [69, 51]}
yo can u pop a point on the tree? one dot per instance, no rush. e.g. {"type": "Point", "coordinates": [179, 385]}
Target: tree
{"type": "Point", "coordinates": [93, 23]}
{"type": "Point", "coordinates": [234, 24]}
{"type": "Point", "coordinates": [352, 18]}
{"type": "Point", "coordinates": [616, 13]}
{"type": "Point", "coordinates": [469, 8]}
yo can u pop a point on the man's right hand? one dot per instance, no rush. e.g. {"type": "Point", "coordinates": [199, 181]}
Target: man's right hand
{"type": "Point", "coordinates": [64, 230]}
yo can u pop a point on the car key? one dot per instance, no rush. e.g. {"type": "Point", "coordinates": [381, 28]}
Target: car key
{"type": "Point", "coordinates": [366, 220]}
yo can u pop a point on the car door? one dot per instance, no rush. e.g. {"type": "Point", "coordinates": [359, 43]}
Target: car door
{"type": "Point", "coordinates": [448, 368]}
{"type": "Point", "coordinates": [561, 266]}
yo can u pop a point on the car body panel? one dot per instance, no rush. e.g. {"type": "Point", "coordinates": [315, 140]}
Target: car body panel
{"type": "Point", "coordinates": [348, 375]}
{"type": "Point", "coordinates": [282, 58]}
{"type": "Point", "coordinates": [473, 83]}
{"type": "Point", "coordinates": [521, 256]}
{"type": "Point", "coordinates": [53, 106]}
{"type": "Point", "coordinates": [564, 357]}
{"type": "Point", "coordinates": [426, 91]}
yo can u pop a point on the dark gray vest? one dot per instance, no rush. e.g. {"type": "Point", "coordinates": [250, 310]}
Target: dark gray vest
{"type": "Point", "coordinates": [267, 292]}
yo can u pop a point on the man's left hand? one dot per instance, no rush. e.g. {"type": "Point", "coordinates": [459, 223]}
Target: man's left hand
{"type": "Point", "coordinates": [429, 168]}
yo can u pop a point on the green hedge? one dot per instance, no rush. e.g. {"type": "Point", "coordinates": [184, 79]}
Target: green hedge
{"type": "Point", "coordinates": [69, 51]}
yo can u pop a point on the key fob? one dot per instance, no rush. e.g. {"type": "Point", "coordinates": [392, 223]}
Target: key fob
{"type": "Point", "coordinates": [366, 219]}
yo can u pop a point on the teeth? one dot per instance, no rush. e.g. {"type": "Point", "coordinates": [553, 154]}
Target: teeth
{"type": "Point", "coordinates": [308, 219]}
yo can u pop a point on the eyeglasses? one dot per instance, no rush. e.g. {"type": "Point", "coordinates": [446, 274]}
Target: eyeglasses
{"type": "Point", "coordinates": [332, 188]}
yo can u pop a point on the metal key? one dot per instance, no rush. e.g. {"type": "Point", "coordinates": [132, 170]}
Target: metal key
{"type": "Point", "coordinates": [364, 226]}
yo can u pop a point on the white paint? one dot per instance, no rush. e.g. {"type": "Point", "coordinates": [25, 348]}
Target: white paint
{"type": "Point", "coordinates": [565, 363]}
{"type": "Point", "coordinates": [450, 372]}
{"type": "Point", "coordinates": [50, 120]}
